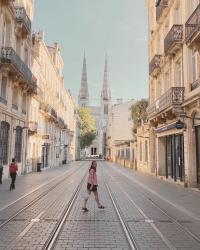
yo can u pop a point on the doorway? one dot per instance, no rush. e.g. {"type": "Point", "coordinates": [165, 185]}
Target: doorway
{"type": "Point", "coordinates": [197, 133]}
{"type": "Point", "coordinates": [175, 157]}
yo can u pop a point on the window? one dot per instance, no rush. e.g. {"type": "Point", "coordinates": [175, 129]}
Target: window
{"type": "Point", "coordinates": [3, 90]}
{"type": "Point", "coordinates": [18, 144]}
{"type": "Point", "coordinates": [146, 151]}
{"type": "Point", "coordinates": [15, 99]}
{"type": "Point", "coordinates": [193, 66]}
{"type": "Point", "coordinates": [4, 137]}
{"type": "Point", "coordinates": [167, 81]}
{"type": "Point", "coordinates": [178, 74]}
{"type": "Point", "coordinates": [24, 104]}
{"type": "Point", "coordinates": [127, 153]}
{"type": "Point", "coordinates": [159, 89]}
{"type": "Point", "coordinates": [122, 153]}
{"type": "Point", "coordinates": [140, 151]}
{"type": "Point", "coordinates": [105, 109]}
{"type": "Point", "coordinates": [177, 15]}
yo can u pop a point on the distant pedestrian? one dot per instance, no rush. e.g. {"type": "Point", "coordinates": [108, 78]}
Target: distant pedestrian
{"type": "Point", "coordinates": [1, 170]}
{"type": "Point", "coordinates": [92, 187]}
{"type": "Point", "coordinates": [13, 173]}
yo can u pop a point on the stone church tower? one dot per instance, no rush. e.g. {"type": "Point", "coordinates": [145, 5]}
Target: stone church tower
{"type": "Point", "coordinates": [100, 112]}
{"type": "Point", "coordinates": [83, 98]}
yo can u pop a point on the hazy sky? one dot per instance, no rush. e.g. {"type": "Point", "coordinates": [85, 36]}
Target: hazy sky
{"type": "Point", "coordinates": [118, 27]}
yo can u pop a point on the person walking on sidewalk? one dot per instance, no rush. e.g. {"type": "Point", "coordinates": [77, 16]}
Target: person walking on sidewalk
{"type": "Point", "coordinates": [13, 173]}
{"type": "Point", "coordinates": [92, 187]}
{"type": "Point", "coordinates": [1, 170]}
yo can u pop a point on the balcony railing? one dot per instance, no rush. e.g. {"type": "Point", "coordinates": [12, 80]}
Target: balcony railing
{"type": "Point", "coordinates": [173, 38]}
{"type": "Point", "coordinates": [160, 6]}
{"type": "Point", "coordinates": [61, 122]}
{"type": "Point", "coordinates": [3, 100]}
{"type": "Point", "coordinates": [14, 106]}
{"type": "Point", "coordinates": [155, 63]}
{"type": "Point", "coordinates": [32, 127]}
{"type": "Point", "coordinates": [173, 97]}
{"type": "Point", "coordinates": [192, 26]}
{"type": "Point", "coordinates": [195, 84]}
{"type": "Point", "coordinates": [22, 18]}
{"type": "Point", "coordinates": [9, 57]}
{"type": "Point", "coordinates": [53, 113]}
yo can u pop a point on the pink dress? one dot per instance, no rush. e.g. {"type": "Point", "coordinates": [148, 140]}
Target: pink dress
{"type": "Point", "coordinates": [92, 181]}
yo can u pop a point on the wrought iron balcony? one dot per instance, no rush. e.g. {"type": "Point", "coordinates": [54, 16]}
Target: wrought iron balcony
{"type": "Point", "coordinates": [53, 113]}
{"type": "Point", "coordinates": [61, 122]}
{"type": "Point", "coordinates": [195, 84]}
{"type": "Point", "coordinates": [10, 58]}
{"type": "Point", "coordinates": [155, 64]}
{"type": "Point", "coordinates": [174, 39]}
{"type": "Point", "coordinates": [32, 127]}
{"type": "Point", "coordinates": [192, 27]}
{"type": "Point", "coordinates": [161, 5]}
{"type": "Point", "coordinates": [3, 100]}
{"type": "Point", "coordinates": [171, 98]}
{"type": "Point", "coordinates": [14, 106]}
{"type": "Point", "coordinates": [23, 19]}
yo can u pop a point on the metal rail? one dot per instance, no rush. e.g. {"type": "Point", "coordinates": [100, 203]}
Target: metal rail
{"type": "Point", "coordinates": [55, 233]}
{"type": "Point", "coordinates": [125, 226]}
{"type": "Point", "coordinates": [36, 199]}
{"type": "Point", "coordinates": [195, 237]}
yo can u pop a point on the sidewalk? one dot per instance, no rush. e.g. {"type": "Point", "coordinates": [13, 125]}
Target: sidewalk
{"type": "Point", "coordinates": [27, 183]}
{"type": "Point", "coordinates": [184, 199]}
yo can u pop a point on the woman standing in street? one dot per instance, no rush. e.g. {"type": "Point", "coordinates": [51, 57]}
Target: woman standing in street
{"type": "Point", "coordinates": [92, 186]}
{"type": "Point", "coordinates": [13, 173]}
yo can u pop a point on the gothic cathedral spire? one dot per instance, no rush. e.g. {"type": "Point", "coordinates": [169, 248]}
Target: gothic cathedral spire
{"type": "Point", "coordinates": [84, 93]}
{"type": "Point", "coordinates": [106, 94]}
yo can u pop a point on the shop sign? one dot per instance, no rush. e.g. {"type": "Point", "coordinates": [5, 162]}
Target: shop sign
{"type": "Point", "coordinates": [45, 137]}
{"type": "Point", "coordinates": [177, 125]}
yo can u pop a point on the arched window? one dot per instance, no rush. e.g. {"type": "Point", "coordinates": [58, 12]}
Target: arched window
{"type": "Point", "coordinates": [4, 140]}
{"type": "Point", "coordinates": [18, 144]}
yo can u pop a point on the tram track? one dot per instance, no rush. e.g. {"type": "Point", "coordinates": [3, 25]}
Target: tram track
{"type": "Point", "coordinates": [50, 242]}
{"type": "Point", "coordinates": [170, 218]}
{"type": "Point", "coordinates": [39, 197]}
{"type": "Point", "coordinates": [127, 231]}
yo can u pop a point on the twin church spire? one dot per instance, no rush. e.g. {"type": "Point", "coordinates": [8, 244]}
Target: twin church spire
{"type": "Point", "coordinates": [84, 92]}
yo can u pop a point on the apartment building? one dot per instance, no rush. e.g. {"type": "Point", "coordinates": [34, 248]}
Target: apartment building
{"type": "Point", "coordinates": [17, 83]}
{"type": "Point", "coordinates": [174, 88]}
{"type": "Point", "coordinates": [52, 121]}
{"type": "Point", "coordinates": [119, 134]}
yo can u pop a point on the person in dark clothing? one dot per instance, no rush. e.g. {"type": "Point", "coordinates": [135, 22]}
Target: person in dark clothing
{"type": "Point", "coordinates": [1, 170]}
{"type": "Point", "coordinates": [13, 173]}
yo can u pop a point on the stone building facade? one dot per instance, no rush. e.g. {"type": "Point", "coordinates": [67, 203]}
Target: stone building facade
{"type": "Point", "coordinates": [17, 83]}
{"type": "Point", "coordinates": [174, 88]}
{"type": "Point", "coordinates": [119, 136]}
{"type": "Point", "coordinates": [52, 121]}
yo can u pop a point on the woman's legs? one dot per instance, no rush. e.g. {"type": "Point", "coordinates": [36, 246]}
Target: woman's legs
{"type": "Point", "coordinates": [86, 199]}
{"type": "Point", "coordinates": [97, 198]}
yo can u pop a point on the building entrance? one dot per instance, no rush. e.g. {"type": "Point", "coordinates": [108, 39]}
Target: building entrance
{"type": "Point", "coordinates": [175, 157]}
{"type": "Point", "coordinates": [93, 151]}
{"type": "Point", "coordinates": [45, 155]}
{"type": "Point", "coordinates": [197, 132]}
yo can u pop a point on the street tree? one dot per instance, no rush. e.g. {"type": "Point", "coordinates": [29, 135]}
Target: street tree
{"type": "Point", "coordinates": [139, 113]}
{"type": "Point", "coordinates": [87, 127]}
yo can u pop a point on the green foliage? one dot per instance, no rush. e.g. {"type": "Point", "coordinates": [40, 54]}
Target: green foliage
{"type": "Point", "coordinates": [138, 113]}
{"type": "Point", "coordinates": [87, 127]}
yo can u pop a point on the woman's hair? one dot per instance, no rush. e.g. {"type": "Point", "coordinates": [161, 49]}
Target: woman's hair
{"type": "Point", "coordinates": [13, 160]}
{"type": "Point", "coordinates": [92, 166]}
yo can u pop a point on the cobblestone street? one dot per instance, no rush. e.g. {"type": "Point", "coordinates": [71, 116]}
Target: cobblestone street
{"type": "Point", "coordinates": [155, 214]}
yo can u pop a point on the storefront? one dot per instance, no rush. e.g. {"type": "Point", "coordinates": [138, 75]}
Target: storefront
{"type": "Point", "coordinates": [170, 148]}
{"type": "Point", "coordinates": [174, 157]}
{"type": "Point", "coordinates": [197, 135]}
